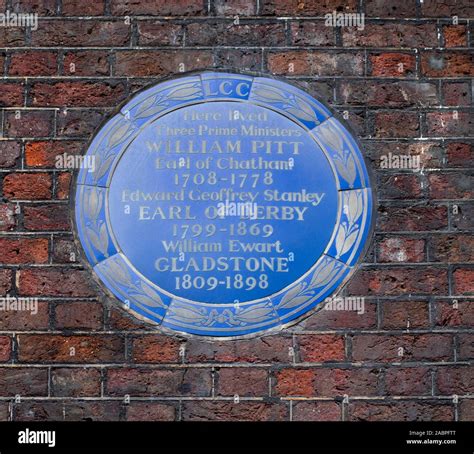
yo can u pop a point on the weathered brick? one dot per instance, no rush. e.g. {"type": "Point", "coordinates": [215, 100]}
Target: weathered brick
{"type": "Point", "coordinates": [74, 8]}
{"type": "Point", "coordinates": [269, 349]}
{"type": "Point", "coordinates": [77, 315]}
{"type": "Point", "coordinates": [45, 153]}
{"type": "Point", "coordinates": [393, 64]}
{"type": "Point", "coordinates": [412, 381]}
{"type": "Point", "coordinates": [455, 35]}
{"type": "Point", "coordinates": [157, 7]}
{"type": "Point", "coordinates": [160, 63]}
{"type": "Point", "coordinates": [466, 347]}
{"type": "Point", "coordinates": [398, 281]}
{"type": "Point", "coordinates": [33, 63]}
{"type": "Point", "coordinates": [448, 123]}
{"type": "Point", "coordinates": [10, 152]}
{"type": "Point", "coordinates": [397, 124]}
{"type": "Point", "coordinates": [306, 8]}
{"type": "Point", "coordinates": [456, 313]}
{"type": "Point", "coordinates": [77, 94]}
{"type": "Point", "coordinates": [406, 347]}
{"type": "Point", "coordinates": [156, 349]}
{"type": "Point", "coordinates": [27, 186]}
{"type": "Point", "coordinates": [237, 7]}
{"type": "Point", "coordinates": [401, 249]}
{"type": "Point", "coordinates": [405, 315]}
{"type": "Point", "coordinates": [55, 348]}
{"type": "Point", "coordinates": [26, 320]}
{"type": "Point", "coordinates": [75, 382]}
{"type": "Point", "coordinates": [316, 348]}
{"type": "Point", "coordinates": [446, 8]}
{"type": "Point", "coordinates": [29, 123]}
{"type": "Point", "coordinates": [46, 217]}
{"type": "Point", "coordinates": [5, 281]}
{"type": "Point", "coordinates": [457, 94]}
{"type": "Point", "coordinates": [412, 218]}
{"type": "Point", "coordinates": [460, 154]}
{"type": "Point", "coordinates": [455, 380]}
{"type": "Point", "coordinates": [304, 33]}
{"type": "Point", "coordinates": [463, 281]}
{"type": "Point", "coordinates": [390, 8]}
{"type": "Point", "coordinates": [24, 381]}
{"type": "Point", "coordinates": [400, 186]}
{"type": "Point", "coordinates": [63, 185]}
{"type": "Point", "coordinates": [150, 411]}
{"type": "Point", "coordinates": [5, 348]}
{"type": "Point", "coordinates": [54, 282]}
{"type": "Point", "coordinates": [159, 382]}
{"type": "Point", "coordinates": [86, 63]}
{"type": "Point", "coordinates": [401, 411]}
{"type": "Point", "coordinates": [316, 411]}
{"type": "Point", "coordinates": [446, 64]}
{"type": "Point", "coordinates": [230, 411]}
{"type": "Point", "coordinates": [24, 250]}
{"type": "Point", "coordinates": [242, 381]}
{"type": "Point", "coordinates": [160, 33]}
{"type": "Point", "coordinates": [78, 122]}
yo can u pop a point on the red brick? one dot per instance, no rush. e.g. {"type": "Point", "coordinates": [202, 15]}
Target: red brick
{"type": "Point", "coordinates": [423, 347]}
{"type": "Point", "coordinates": [399, 281]}
{"type": "Point", "coordinates": [63, 185]}
{"type": "Point", "coordinates": [463, 281]}
{"type": "Point", "coordinates": [243, 381]}
{"type": "Point", "coordinates": [159, 382]}
{"type": "Point", "coordinates": [46, 217]}
{"type": "Point", "coordinates": [77, 94]}
{"type": "Point", "coordinates": [401, 249]}
{"type": "Point", "coordinates": [393, 65]}
{"type": "Point", "coordinates": [272, 349]}
{"type": "Point", "coordinates": [460, 154]}
{"type": "Point", "coordinates": [5, 348]}
{"type": "Point", "coordinates": [86, 63]}
{"type": "Point", "coordinates": [12, 94]}
{"type": "Point", "coordinates": [306, 8]}
{"type": "Point", "coordinates": [77, 315]}
{"type": "Point", "coordinates": [316, 411]}
{"type": "Point", "coordinates": [74, 33]}
{"type": "Point", "coordinates": [29, 123]}
{"type": "Point", "coordinates": [413, 381]}
{"type": "Point", "coordinates": [466, 410]}
{"type": "Point", "coordinates": [55, 348]}
{"type": "Point", "coordinates": [455, 36]}
{"type": "Point", "coordinates": [412, 218]}
{"type": "Point", "coordinates": [327, 382]}
{"type": "Point", "coordinates": [10, 152]}
{"type": "Point", "coordinates": [75, 382]}
{"type": "Point", "coordinates": [405, 315]}
{"type": "Point", "coordinates": [41, 7]}
{"type": "Point", "coordinates": [451, 185]}
{"type": "Point", "coordinates": [150, 411]}
{"type": "Point", "coordinates": [160, 63]}
{"type": "Point", "coordinates": [455, 380]}
{"type": "Point", "coordinates": [230, 411]}
{"type": "Point", "coordinates": [156, 349]}
{"type": "Point", "coordinates": [450, 314]}
{"type": "Point", "coordinates": [247, 60]}
{"type": "Point", "coordinates": [401, 411]}
{"type": "Point", "coordinates": [157, 7]}
{"type": "Point", "coordinates": [123, 321]}
{"type": "Point", "coordinates": [449, 123]}
{"type": "Point", "coordinates": [64, 251]}
{"type": "Point", "coordinates": [17, 251]}
{"type": "Point", "coordinates": [318, 348]}
{"type": "Point", "coordinates": [27, 186]}
{"type": "Point", "coordinates": [33, 63]}
{"type": "Point", "coordinates": [397, 124]}
{"type": "Point", "coordinates": [23, 381]}
{"type": "Point", "coordinates": [44, 153]}
{"type": "Point", "coordinates": [463, 219]}
{"type": "Point", "coordinates": [446, 64]}
{"type": "Point", "coordinates": [55, 282]}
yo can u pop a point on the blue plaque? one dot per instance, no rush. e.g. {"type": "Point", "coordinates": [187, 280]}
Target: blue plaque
{"type": "Point", "coordinates": [223, 204]}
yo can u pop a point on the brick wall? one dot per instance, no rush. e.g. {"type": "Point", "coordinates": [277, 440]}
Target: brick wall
{"type": "Point", "coordinates": [403, 83]}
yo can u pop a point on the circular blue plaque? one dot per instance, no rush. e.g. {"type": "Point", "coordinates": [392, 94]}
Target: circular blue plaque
{"type": "Point", "coordinates": [223, 204]}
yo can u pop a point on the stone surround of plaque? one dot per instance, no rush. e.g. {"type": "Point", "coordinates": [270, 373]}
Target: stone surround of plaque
{"type": "Point", "coordinates": [223, 205]}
